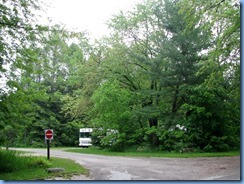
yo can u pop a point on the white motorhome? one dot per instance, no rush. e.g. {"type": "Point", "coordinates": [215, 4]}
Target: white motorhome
{"type": "Point", "coordinates": [85, 137]}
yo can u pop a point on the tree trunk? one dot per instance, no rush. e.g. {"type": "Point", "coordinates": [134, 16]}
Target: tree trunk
{"type": "Point", "coordinates": [153, 122]}
{"type": "Point", "coordinates": [174, 105]}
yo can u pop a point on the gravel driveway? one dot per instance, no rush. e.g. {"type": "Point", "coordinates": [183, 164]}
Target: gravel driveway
{"type": "Point", "coordinates": [130, 168]}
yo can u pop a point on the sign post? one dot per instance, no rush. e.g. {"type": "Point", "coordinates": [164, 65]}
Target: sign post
{"type": "Point", "coordinates": [48, 149]}
{"type": "Point", "coordinates": [48, 138]}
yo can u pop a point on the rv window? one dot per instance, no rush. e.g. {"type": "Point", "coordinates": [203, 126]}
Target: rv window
{"type": "Point", "coordinates": [85, 134]}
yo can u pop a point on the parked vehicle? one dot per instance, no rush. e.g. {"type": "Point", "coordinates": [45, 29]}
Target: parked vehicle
{"type": "Point", "coordinates": [85, 137]}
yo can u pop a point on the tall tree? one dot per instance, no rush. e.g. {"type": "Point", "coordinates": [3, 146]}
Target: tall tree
{"type": "Point", "coordinates": [219, 113]}
{"type": "Point", "coordinates": [112, 112]}
{"type": "Point", "coordinates": [17, 26]}
{"type": "Point", "coordinates": [168, 57]}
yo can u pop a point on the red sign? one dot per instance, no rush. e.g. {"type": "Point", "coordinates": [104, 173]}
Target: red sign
{"type": "Point", "coordinates": [49, 134]}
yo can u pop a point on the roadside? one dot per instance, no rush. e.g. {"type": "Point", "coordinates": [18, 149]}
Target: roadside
{"type": "Point", "coordinates": [23, 165]}
{"type": "Point", "coordinates": [75, 177]}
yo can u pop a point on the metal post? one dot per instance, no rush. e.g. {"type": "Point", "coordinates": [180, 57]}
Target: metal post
{"type": "Point", "coordinates": [48, 149]}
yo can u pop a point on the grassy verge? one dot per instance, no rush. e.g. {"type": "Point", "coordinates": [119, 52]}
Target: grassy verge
{"type": "Point", "coordinates": [22, 167]}
{"type": "Point", "coordinates": [98, 151]}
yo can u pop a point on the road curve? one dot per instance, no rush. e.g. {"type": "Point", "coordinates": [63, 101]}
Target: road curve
{"type": "Point", "coordinates": [130, 168]}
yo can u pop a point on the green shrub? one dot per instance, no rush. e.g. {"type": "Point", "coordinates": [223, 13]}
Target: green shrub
{"type": "Point", "coordinates": [10, 161]}
{"type": "Point", "coordinates": [217, 144]}
{"type": "Point", "coordinates": [38, 163]}
{"type": "Point", "coordinates": [172, 140]}
{"type": "Point", "coordinates": [13, 161]}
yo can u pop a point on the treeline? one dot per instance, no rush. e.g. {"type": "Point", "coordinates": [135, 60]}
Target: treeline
{"type": "Point", "coordinates": [167, 78]}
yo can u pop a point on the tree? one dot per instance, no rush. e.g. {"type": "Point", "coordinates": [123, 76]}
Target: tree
{"type": "Point", "coordinates": [44, 73]}
{"type": "Point", "coordinates": [165, 58]}
{"type": "Point", "coordinates": [17, 26]}
{"type": "Point", "coordinates": [65, 56]}
{"type": "Point", "coordinates": [112, 112]}
{"type": "Point", "coordinates": [215, 108]}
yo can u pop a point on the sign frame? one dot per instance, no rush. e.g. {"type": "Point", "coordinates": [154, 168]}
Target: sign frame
{"type": "Point", "coordinates": [46, 138]}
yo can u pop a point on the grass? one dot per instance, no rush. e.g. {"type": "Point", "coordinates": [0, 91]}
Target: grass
{"type": "Point", "coordinates": [98, 151]}
{"type": "Point", "coordinates": [22, 167]}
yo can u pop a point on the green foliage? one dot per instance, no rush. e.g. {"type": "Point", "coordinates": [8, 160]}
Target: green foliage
{"type": "Point", "coordinates": [172, 140]}
{"type": "Point", "coordinates": [112, 112]}
{"type": "Point", "coordinates": [34, 168]}
{"type": "Point", "coordinates": [13, 161]}
{"type": "Point", "coordinates": [18, 27]}
{"type": "Point", "coordinates": [9, 161]}
{"type": "Point", "coordinates": [39, 163]}
{"type": "Point", "coordinates": [217, 144]}
{"type": "Point", "coordinates": [8, 135]}
{"type": "Point", "coordinates": [219, 120]}
{"type": "Point", "coordinates": [111, 104]}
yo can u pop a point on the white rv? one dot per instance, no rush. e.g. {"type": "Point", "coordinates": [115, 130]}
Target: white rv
{"type": "Point", "coordinates": [85, 137]}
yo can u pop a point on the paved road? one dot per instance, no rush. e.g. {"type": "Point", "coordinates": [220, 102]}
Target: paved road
{"type": "Point", "coordinates": [128, 168]}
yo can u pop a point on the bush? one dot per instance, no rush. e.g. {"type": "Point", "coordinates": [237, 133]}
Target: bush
{"type": "Point", "coordinates": [172, 140]}
{"type": "Point", "coordinates": [13, 161]}
{"type": "Point", "coordinates": [38, 163]}
{"type": "Point", "coordinates": [10, 161]}
{"type": "Point", "coordinates": [113, 141]}
{"type": "Point", "coordinates": [217, 144]}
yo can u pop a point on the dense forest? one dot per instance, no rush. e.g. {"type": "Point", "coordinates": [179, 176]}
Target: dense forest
{"type": "Point", "coordinates": [167, 77]}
